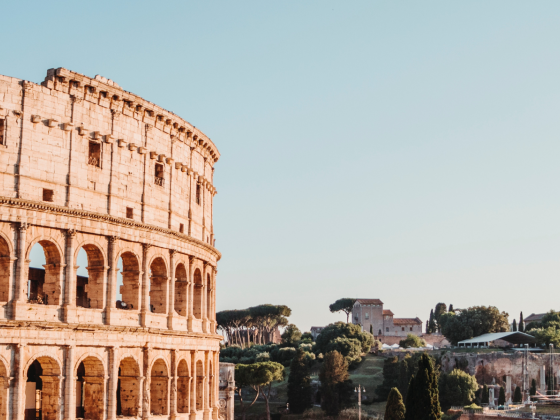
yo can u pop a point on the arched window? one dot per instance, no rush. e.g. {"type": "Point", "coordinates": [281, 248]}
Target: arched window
{"type": "Point", "coordinates": [128, 292]}
{"type": "Point", "coordinates": [4, 271]}
{"type": "Point", "coordinates": [208, 297]}
{"type": "Point", "coordinates": [158, 286]}
{"type": "Point", "coordinates": [128, 388]}
{"type": "Point", "coordinates": [183, 387]}
{"type": "Point", "coordinates": [42, 389]}
{"type": "Point", "coordinates": [90, 389]}
{"type": "Point", "coordinates": [181, 283]}
{"type": "Point", "coordinates": [44, 284]}
{"type": "Point", "coordinates": [4, 386]}
{"type": "Point", "coordinates": [197, 298]}
{"type": "Point", "coordinates": [199, 385]}
{"type": "Point", "coordinates": [158, 388]}
{"type": "Point", "coordinates": [91, 278]}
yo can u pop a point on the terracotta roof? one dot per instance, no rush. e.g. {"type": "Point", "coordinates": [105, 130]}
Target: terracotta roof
{"type": "Point", "coordinates": [534, 317]}
{"type": "Point", "coordinates": [406, 321]}
{"type": "Point", "coordinates": [387, 312]}
{"type": "Point", "coordinates": [369, 301]}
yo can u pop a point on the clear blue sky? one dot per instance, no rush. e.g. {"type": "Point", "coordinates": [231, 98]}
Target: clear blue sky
{"type": "Point", "coordinates": [407, 151]}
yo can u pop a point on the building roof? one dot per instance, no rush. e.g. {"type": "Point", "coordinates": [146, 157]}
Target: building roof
{"type": "Point", "coordinates": [406, 321]}
{"type": "Point", "coordinates": [369, 302]}
{"type": "Point", "coordinates": [515, 337]}
{"type": "Point", "coordinates": [534, 317]}
{"type": "Point", "coordinates": [317, 328]}
{"type": "Point", "coordinates": [387, 312]}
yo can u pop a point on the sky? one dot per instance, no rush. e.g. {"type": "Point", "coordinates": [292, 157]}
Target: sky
{"type": "Point", "coordinates": [405, 151]}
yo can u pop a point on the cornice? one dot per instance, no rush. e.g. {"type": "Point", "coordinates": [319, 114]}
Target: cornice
{"type": "Point", "coordinates": [105, 218]}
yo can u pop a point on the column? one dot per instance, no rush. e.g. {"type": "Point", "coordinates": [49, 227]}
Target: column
{"type": "Point", "coordinates": [69, 307]}
{"type": "Point", "coordinates": [171, 291]}
{"type": "Point", "coordinates": [110, 308]}
{"type": "Point", "coordinates": [206, 387]}
{"type": "Point", "coordinates": [20, 296]}
{"type": "Point", "coordinates": [173, 386]}
{"type": "Point", "coordinates": [145, 282]}
{"type": "Point", "coordinates": [19, 389]}
{"type": "Point", "coordinates": [69, 385]}
{"type": "Point", "coordinates": [112, 386]}
{"type": "Point", "coordinates": [193, 386]}
{"type": "Point", "coordinates": [146, 388]}
{"type": "Point", "coordinates": [190, 289]}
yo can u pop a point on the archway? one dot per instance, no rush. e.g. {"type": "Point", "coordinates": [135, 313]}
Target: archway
{"type": "Point", "coordinates": [197, 298]}
{"type": "Point", "coordinates": [210, 386]}
{"type": "Point", "coordinates": [90, 389]}
{"type": "Point", "coordinates": [4, 271]}
{"type": "Point", "coordinates": [44, 285]}
{"type": "Point", "coordinates": [181, 283]}
{"type": "Point", "coordinates": [159, 388]}
{"type": "Point", "coordinates": [4, 385]}
{"type": "Point", "coordinates": [208, 297]}
{"type": "Point", "coordinates": [183, 387]}
{"type": "Point", "coordinates": [199, 385]}
{"type": "Point", "coordinates": [128, 388]}
{"type": "Point", "coordinates": [130, 290]}
{"type": "Point", "coordinates": [42, 390]}
{"type": "Point", "coordinates": [158, 286]}
{"type": "Point", "coordinates": [90, 289]}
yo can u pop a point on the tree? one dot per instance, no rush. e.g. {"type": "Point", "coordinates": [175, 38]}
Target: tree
{"type": "Point", "coordinates": [551, 319]}
{"type": "Point", "coordinates": [409, 407]}
{"type": "Point", "coordinates": [394, 409]}
{"type": "Point", "coordinates": [244, 377]}
{"type": "Point", "coordinates": [371, 329]}
{"type": "Point", "coordinates": [546, 336]}
{"type": "Point", "coordinates": [431, 323]}
{"type": "Point", "coordinates": [521, 326]}
{"type": "Point", "coordinates": [514, 327]}
{"type": "Point", "coordinates": [425, 400]}
{"type": "Point", "coordinates": [502, 396]}
{"type": "Point", "coordinates": [457, 388]}
{"type": "Point", "coordinates": [391, 367]}
{"type": "Point", "coordinates": [485, 395]}
{"type": "Point", "coordinates": [334, 383]}
{"type": "Point", "coordinates": [291, 335]}
{"type": "Point", "coordinates": [259, 377]}
{"type": "Point", "coordinates": [345, 305]}
{"type": "Point", "coordinates": [412, 340]}
{"type": "Point", "coordinates": [533, 389]}
{"type": "Point", "coordinates": [299, 384]}
{"type": "Point", "coordinates": [472, 322]}
{"type": "Point", "coordinates": [307, 336]}
{"type": "Point", "coordinates": [517, 397]}
{"type": "Point", "coordinates": [441, 308]}
{"type": "Point", "coordinates": [451, 308]}
{"type": "Point", "coordinates": [348, 339]}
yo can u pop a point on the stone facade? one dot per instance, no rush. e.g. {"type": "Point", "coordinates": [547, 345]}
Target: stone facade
{"type": "Point", "coordinates": [369, 313]}
{"type": "Point", "coordinates": [87, 165]}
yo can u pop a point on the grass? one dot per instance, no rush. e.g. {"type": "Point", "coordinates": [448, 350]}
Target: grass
{"type": "Point", "coordinates": [369, 374]}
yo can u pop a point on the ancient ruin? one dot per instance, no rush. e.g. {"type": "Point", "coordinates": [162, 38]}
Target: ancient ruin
{"type": "Point", "coordinates": [88, 166]}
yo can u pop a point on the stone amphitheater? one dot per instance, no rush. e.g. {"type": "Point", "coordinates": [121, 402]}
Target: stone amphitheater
{"type": "Point", "coordinates": [88, 166]}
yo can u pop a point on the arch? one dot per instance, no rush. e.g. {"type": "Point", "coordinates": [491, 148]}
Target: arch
{"type": "Point", "coordinates": [208, 296]}
{"type": "Point", "coordinates": [42, 389]}
{"type": "Point", "coordinates": [159, 388]}
{"type": "Point", "coordinates": [199, 385]}
{"type": "Point", "coordinates": [128, 388]}
{"type": "Point", "coordinates": [183, 387]}
{"type": "Point", "coordinates": [90, 389]}
{"type": "Point", "coordinates": [210, 394]}
{"type": "Point", "coordinates": [197, 294]}
{"type": "Point", "coordinates": [158, 286]}
{"type": "Point", "coordinates": [44, 286]}
{"type": "Point", "coordinates": [90, 290]}
{"type": "Point", "coordinates": [181, 283]}
{"type": "Point", "coordinates": [130, 290]}
{"type": "Point", "coordinates": [4, 385]}
{"type": "Point", "coordinates": [5, 270]}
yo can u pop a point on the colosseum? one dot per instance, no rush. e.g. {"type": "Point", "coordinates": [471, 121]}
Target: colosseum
{"type": "Point", "coordinates": [90, 169]}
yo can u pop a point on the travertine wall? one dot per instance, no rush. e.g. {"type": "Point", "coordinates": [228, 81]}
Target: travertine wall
{"type": "Point", "coordinates": [87, 165]}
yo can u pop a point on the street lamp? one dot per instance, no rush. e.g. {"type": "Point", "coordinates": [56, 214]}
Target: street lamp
{"type": "Point", "coordinates": [359, 390]}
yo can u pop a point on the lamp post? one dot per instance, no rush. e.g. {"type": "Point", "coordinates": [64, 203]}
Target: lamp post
{"type": "Point", "coordinates": [359, 390]}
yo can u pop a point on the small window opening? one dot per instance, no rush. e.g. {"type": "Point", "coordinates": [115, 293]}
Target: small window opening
{"type": "Point", "coordinates": [181, 228]}
{"type": "Point", "coordinates": [138, 108]}
{"type": "Point", "coordinates": [402, 328]}
{"type": "Point", "coordinates": [94, 158]}
{"type": "Point", "coordinates": [159, 175]}
{"type": "Point", "coordinates": [129, 213]}
{"type": "Point", "coordinates": [103, 94]}
{"type": "Point", "coordinates": [410, 328]}
{"type": "Point", "coordinates": [2, 131]}
{"type": "Point", "coordinates": [91, 89]}
{"type": "Point", "coordinates": [48, 195]}
{"type": "Point", "coordinates": [75, 85]}
{"type": "Point", "coordinates": [386, 329]}
{"type": "Point", "coordinates": [198, 194]}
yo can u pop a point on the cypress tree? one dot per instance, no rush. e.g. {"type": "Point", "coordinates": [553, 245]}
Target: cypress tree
{"type": "Point", "coordinates": [502, 396]}
{"type": "Point", "coordinates": [409, 409]}
{"type": "Point", "coordinates": [299, 384]}
{"type": "Point", "coordinates": [517, 397]}
{"type": "Point", "coordinates": [451, 308]}
{"type": "Point", "coordinates": [432, 324]}
{"type": "Point", "coordinates": [485, 395]}
{"type": "Point", "coordinates": [521, 323]}
{"type": "Point", "coordinates": [334, 382]}
{"type": "Point", "coordinates": [514, 327]}
{"type": "Point", "coordinates": [395, 407]}
{"type": "Point", "coordinates": [426, 393]}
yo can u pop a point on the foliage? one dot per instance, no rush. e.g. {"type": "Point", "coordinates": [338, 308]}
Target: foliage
{"type": "Point", "coordinates": [336, 387]}
{"type": "Point", "coordinates": [345, 305]}
{"type": "Point", "coordinates": [394, 409]}
{"type": "Point", "coordinates": [502, 396]}
{"type": "Point", "coordinates": [259, 377]}
{"type": "Point", "coordinates": [260, 353]}
{"type": "Point", "coordinates": [431, 328]}
{"type": "Point", "coordinates": [533, 389]}
{"type": "Point", "coordinates": [521, 326]}
{"type": "Point", "coordinates": [546, 336]}
{"type": "Point", "coordinates": [409, 405]}
{"type": "Point", "coordinates": [551, 319]}
{"type": "Point", "coordinates": [517, 397]}
{"type": "Point", "coordinates": [350, 348]}
{"type": "Point", "coordinates": [485, 395]}
{"type": "Point", "coordinates": [441, 308]}
{"type": "Point", "coordinates": [397, 374]}
{"type": "Point", "coordinates": [514, 327]}
{"type": "Point", "coordinates": [291, 335]}
{"type": "Point", "coordinates": [347, 339]}
{"type": "Point", "coordinates": [424, 403]}
{"type": "Point", "coordinates": [474, 321]}
{"type": "Point", "coordinates": [451, 308]}
{"type": "Point", "coordinates": [307, 336]}
{"type": "Point", "coordinates": [457, 388]}
{"type": "Point", "coordinates": [412, 340]}
{"type": "Point", "coordinates": [299, 384]}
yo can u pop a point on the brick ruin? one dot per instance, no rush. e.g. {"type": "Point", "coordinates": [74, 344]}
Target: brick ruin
{"type": "Point", "coordinates": [89, 167]}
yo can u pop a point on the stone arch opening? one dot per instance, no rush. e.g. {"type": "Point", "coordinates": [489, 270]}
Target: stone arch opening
{"type": "Point", "coordinates": [128, 388]}
{"type": "Point", "coordinates": [210, 385]}
{"type": "Point", "coordinates": [159, 388]}
{"type": "Point", "coordinates": [183, 387]}
{"type": "Point", "coordinates": [129, 290]}
{"type": "Point", "coordinates": [199, 385]}
{"type": "Point", "coordinates": [181, 282]}
{"type": "Point", "coordinates": [197, 298]}
{"type": "Point", "coordinates": [90, 389]}
{"type": "Point", "coordinates": [158, 286]}
{"type": "Point", "coordinates": [4, 271]}
{"type": "Point", "coordinates": [90, 291]}
{"type": "Point", "coordinates": [42, 389]}
{"type": "Point", "coordinates": [208, 296]}
{"type": "Point", "coordinates": [44, 285]}
{"type": "Point", "coordinates": [4, 386]}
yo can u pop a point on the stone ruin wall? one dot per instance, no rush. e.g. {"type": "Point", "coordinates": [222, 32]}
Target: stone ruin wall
{"type": "Point", "coordinates": [87, 165]}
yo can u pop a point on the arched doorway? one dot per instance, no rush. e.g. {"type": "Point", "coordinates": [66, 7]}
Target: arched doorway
{"type": "Point", "coordinates": [4, 271]}
{"type": "Point", "coordinates": [183, 387]}
{"type": "Point", "coordinates": [44, 284]}
{"type": "Point", "coordinates": [210, 386]}
{"type": "Point", "coordinates": [90, 289]}
{"type": "Point", "coordinates": [197, 298]}
{"type": "Point", "coordinates": [130, 290]}
{"type": "Point", "coordinates": [90, 389]}
{"type": "Point", "coordinates": [158, 286]}
{"type": "Point", "coordinates": [128, 388]}
{"type": "Point", "coordinates": [181, 283]}
{"type": "Point", "coordinates": [42, 390]}
{"type": "Point", "coordinates": [208, 297]}
{"type": "Point", "coordinates": [159, 388]}
{"type": "Point", "coordinates": [4, 385]}
{"type": "Point", "coordinates": [199, 385]}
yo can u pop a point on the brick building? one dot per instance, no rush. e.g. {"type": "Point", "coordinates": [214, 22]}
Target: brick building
{"type": "Point", "coordinates": [369, 313]}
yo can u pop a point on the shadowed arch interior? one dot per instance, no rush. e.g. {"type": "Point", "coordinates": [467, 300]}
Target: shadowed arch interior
{"type": "Point", "coordinates": [199, 385]}
{"type": "Point", "coordinates": [128, 388]}
{"type": "Point", "coordinates": [208, 296]}
{"type": "Point", "coordinates": [158, 286]}
{"type": "Point", "coordinates": [90, 291]}
{"type": "Point", "coordinates": [4, 385]}
{"type": "Point", "coordinates": [130, 290]}
{"type": "Point", "coordinates": [197, 298]}
{"type": "Point", "coordinates": [183, 387]}
{"type": "Point", "coordinates": [159, 388]}
{"type": "Point", "coordinates": [90, 389]}
{"type": "Point", "coordinates": [181, 282]}
{"type": "Point", "coordinates": [42, 389]}
{"type": "Point", "coordinates": [44, 285]}
{"type": "Point", "coordinates": [4, 272]}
